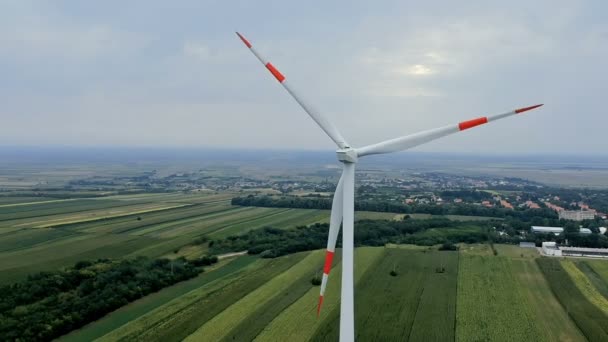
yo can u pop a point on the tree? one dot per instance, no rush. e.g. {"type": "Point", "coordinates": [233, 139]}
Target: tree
{"type": "Point", "coordinates": [49, 304]}
{"type": "Point", "coordinates": [571, 227]}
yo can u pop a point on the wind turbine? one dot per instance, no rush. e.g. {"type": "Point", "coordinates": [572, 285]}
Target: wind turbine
{"type": "Point", "coordinates": [342, 209]}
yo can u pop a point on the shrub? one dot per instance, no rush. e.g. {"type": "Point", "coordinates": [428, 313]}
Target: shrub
{"type": "Point", "coordinates": [205, 260]}
{"type": "Point", "coordinates": [266, 254]}
{"type": "Point", "coordinates": [82, 264]}
{"type": "Point", "coordinates": [448, 246]}
{"type": "Point", "coordinates": [201, 240]}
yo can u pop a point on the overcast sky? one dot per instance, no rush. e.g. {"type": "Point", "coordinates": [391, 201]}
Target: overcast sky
{"type": "Point", "coordinates": [173, 73]}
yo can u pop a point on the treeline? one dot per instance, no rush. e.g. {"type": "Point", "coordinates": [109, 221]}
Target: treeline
{"type": "Point", "coordinates": [465, 195]}
{"type": "Point", "coordinates": [586, 240]}
{"type": "Point", "coordinates": [272, 242]}
{"type": "Point", "coordinates": [574, 239]}
{"type": "Point", "coordinates": [395, 207]}
{"type": "Point", "coordinates": [50, 304]}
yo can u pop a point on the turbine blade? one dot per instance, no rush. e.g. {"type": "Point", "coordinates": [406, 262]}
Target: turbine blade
{"type": "Point", "coordinates": [325, 125]}
{"type": "Point", "coordinates": [420, 138]}
{"type": "Point", "coordinates": [334, 228]}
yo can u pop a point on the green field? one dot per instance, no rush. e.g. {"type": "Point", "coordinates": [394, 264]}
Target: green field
{"type": "Point", "coordinates": [590, 319]}
{"type": "Point", "coordinates": [597, 271]}
{"type": "Point", "coordinates": [585, 285]}
{"type": "Point", "coordinates": [418, 302]}
{"type": "Point", "coordinates": [141, 307]}
{"type": "Point", "coordinates": [185, 314]}
{"type": "Point", "coordinates": [243, 319]}
{"type": "Point", "coordinates": [299, 321]}
{"type": "Point", "coordinates": [512, 296]}
{"type": "Point", "coordinates": [546, 310]}
{"type": "Point", "coordinates": [479, 297]}
{"type": "Point", "coordinates": [38, 234]}
{"type": "Point", "coordinates": [491, 305]}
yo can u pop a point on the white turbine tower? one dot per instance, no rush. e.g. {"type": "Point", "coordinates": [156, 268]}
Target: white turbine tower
{"type": "Point", "coordinates": [342, 210]}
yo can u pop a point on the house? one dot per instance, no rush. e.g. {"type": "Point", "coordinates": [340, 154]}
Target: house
{"type": "Point", "coordinates": [506, 204]}
{"type": "Point", "coordinates": [576, 215]}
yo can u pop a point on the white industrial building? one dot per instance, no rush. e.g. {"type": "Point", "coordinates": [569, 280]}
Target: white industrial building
{"type": "Point", "coordinates": [576, 215]}
{"type": "Point", "coordinates": [554, 230]}
{"type": "Point", "coordinates": [559, 230]}
{"type": "Point", "coordinates": [586, 252]}
{"type": "Point", "coordinates": [550, 248]}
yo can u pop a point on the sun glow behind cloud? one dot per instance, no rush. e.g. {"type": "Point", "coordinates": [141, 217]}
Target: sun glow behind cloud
{"type": "Point", "coordinates": [417, 70]}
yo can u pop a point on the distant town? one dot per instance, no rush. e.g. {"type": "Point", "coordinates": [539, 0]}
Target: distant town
{"type": "Point", "coordinates": [415, 188]}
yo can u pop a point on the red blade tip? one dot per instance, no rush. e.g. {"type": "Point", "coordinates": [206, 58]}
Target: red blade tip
{"type": "Point", "coordinates": [319, 306]}
{"type": "Point", "coordinates": [521, 110]}
{"type": "Point", "coordinates": [244, 40]}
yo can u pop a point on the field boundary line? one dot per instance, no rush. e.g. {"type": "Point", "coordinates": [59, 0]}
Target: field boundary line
{"type": "Point", "coordinates": [134, 229]}
{"type": "Point", "coordinates": [40, 202]}
{"type": "Point", "coordinates": [248, 219]}
{"type": "Point", "coordinates": [69, 212]}
{"type": "Point", "coordinates": [111, 217]}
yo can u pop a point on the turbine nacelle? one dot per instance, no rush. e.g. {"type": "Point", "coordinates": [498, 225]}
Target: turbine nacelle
{"type": "Point", "coordinates": [347, 155]}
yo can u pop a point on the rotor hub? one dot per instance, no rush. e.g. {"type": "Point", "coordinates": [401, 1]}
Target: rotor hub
{"type": "Point", "coordinates": [347, 155]}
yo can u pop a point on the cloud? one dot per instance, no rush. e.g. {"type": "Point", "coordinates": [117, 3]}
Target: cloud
{"type": "Point", "coordinates": [417, 70]}
{"type": "Point", "coordinates": [148, 69]}
{"type": "Point", "coordinates": [401, 89]}
{"type": "Point", "coordinates": [197, 50]}
{"type": "Point", "coordinates": [46, 40]}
